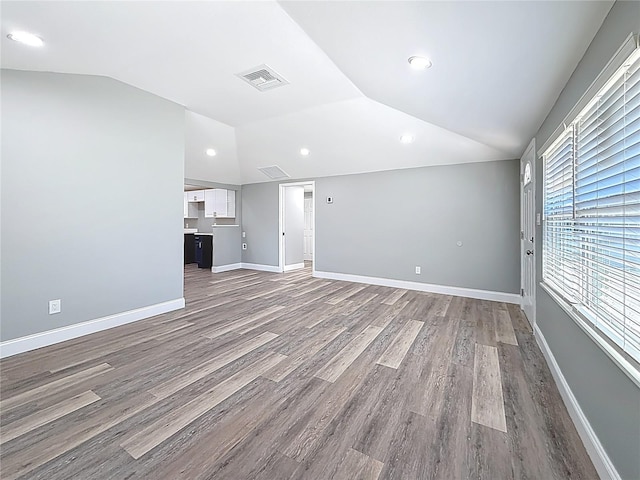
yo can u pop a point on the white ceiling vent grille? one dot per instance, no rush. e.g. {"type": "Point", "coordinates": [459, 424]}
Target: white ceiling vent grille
{"type": "Point", "coordinates": [263, 78]}
{"type": "Point", "coordinates": [274, 172]}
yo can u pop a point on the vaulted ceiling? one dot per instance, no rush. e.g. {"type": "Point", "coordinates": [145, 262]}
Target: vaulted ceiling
{"type": "Point", "coordinates": [498, 67]}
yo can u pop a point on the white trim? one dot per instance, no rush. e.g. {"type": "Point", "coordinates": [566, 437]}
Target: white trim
{"type": "Point", "coordinates": [293, 266]}
{"type": "Point", "coordinates": [596, 451]}
{"type": "Point", "coordinates": [226, 268]}
{"type": "Point", "coordinates": [51, 337]}
{"type": "Point", "coordinates": [423, 287]}
{"type": "Point", "coordinates": [261, 268]}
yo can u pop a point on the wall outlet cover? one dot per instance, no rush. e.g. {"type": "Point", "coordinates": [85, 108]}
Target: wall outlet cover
{"type": "Point", "coordinates": [418, 270]}
{"type": "Point", "coordinates": [329, 199]}
{"type": "Point", "coordinates": [244, 246]}
{"type": "Point", "coordinates": [55, 306]}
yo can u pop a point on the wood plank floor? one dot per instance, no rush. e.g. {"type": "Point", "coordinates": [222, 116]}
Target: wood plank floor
{"type": "Point", "coordinates": [285, 376]}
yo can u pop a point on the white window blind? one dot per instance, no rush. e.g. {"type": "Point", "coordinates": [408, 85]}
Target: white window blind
{"type": "Point", "coordinates": [591, 244]}
{"type": "Point", "coordinates": [558, 256]}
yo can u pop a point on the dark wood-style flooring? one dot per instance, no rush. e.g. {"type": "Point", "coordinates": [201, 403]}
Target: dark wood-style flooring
{"type": "Point", "coordinates": [279, 376]}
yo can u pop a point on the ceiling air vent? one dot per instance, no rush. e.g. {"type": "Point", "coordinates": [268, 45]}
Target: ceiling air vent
{"type": "Point", "coordinates": [274, 172]}
{"type": "Point", "coordinates": [263, 78]}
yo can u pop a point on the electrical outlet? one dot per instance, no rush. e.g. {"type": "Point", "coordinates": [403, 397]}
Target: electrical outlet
{"type": "Point", "coordinates": [55, 306]}
{"type": "Point", "coordinates": [244, 246]}
{"type": "Point", "coordinates": [329, 199]}
{"type": "Point", "coordinates": [417, 270]}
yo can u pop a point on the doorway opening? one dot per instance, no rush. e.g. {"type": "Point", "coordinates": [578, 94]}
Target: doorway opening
{"type": "Point", "coordinates": [297, 226]}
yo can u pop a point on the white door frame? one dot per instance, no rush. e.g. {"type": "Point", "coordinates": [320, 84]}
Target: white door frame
{"type": "Point", "coordinates": [528, 156]}
{"type": "Point", "coordinates": [281, 223]}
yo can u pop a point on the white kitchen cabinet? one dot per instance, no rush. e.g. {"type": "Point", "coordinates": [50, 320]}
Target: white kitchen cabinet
{"type": "Point", "coordinates": [190, 208]}
{"type": "Point", "coordinates": [196, 195]}
{"type": "Point", "coordinates": [231, 203]}
{"type": "Point", "coordinates": [220, 203]}
{"type": "Point", "coordinates": [209, 203]}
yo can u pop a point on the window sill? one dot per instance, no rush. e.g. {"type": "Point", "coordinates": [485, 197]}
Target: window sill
{"type": "Point", "coordinates": [627, 365]}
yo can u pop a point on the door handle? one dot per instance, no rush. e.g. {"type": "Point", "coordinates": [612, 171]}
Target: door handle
{"type": "Point", "coordinates": [529, 252]}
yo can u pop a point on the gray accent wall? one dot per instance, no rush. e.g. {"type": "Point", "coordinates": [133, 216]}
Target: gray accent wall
{"type": "Point", "coordinates": [384, 224]}
{"type": "Point", "coordinates": [260, 204]}
{"type": "Point", "coordinates": [226, 246]}
{"type": "Point", "coordinates": [606, 395]}
{"type": "Point", "coordinates": [101, 165]}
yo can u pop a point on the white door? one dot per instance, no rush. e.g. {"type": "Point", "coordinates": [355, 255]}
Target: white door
{"type": "Point", "coordinates": [308, 228]}
{"type": "Point", "coordinates": [527, 232]}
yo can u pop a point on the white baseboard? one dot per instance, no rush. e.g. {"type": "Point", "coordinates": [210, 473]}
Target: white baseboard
{"type": "Point", "coordinates": [50, 337]}
{"type": "Point", "coordinates": [596, 451]}
{"type": "Point", "coordinates": [293, 266]}
{"type": "Point", "coordinates": [260, 267]}
{"type": "Point", "coordinates": [226, 268]}
{"type": "Point", "coordinates": [423, 287]}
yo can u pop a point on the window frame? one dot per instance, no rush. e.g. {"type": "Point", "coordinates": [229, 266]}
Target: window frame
{"type": "Point", "coordinates": [561, 294]}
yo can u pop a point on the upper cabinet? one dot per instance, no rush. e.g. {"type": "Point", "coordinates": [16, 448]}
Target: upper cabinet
{"type": "Point", "coordinates": [190, 208]}
{"type": "Point", "coordinates": [196, 195]}
{"type": "Point", "coordinates": [220, 203]}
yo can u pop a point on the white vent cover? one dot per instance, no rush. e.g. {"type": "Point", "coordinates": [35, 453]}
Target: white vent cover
{"type": "Point", "coordinates": [263, 78]}
{"type": "Point", "coordinates": [274, 172]}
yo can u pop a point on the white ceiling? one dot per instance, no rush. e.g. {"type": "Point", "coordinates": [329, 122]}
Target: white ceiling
{"type": "Point", "coordinates": [498, 68]}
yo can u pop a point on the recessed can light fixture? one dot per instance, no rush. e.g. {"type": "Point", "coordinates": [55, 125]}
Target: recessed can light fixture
{"type": "Point", "coordinates": [211, 152]}
{"type": "Point", "coordinates": [304, 152]}
{"type": "Point", "coordinates": [419, 63]}
{"type": "Point", "coordinates": [26, 38]}
{"type": "Point", "coordinates": [406, 138]}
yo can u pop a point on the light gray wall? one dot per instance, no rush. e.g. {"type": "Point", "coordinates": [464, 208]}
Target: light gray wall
{"type": "Point", "coordinates": [383, 224]}
{"type": "Point", "coordinates": [294, 225]}
{"type": "Point", "coordinates": [260, 222]}
{"type": "Point", "coordinates": [226, 248]}
{"type": "Point", "coordinates": [100, 165]}
{"type": "Point", "coordinates": [608, 398]}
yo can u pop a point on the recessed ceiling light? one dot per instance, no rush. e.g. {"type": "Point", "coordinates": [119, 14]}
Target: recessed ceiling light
{"type": "Point", "coordinates": [406, 138]}
{"type": "Point", "coordinates": [26, 38]}
{"type": "Point", "coordinates": [419, 63]}
{"type": "Point", "coordinates": [304, 152]}
{"type": "Point", "coordinates": [211, 152]}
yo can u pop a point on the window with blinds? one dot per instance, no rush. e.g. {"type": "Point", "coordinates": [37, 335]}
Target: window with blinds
{"type": "Point", "coordinates": [591, 240]}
